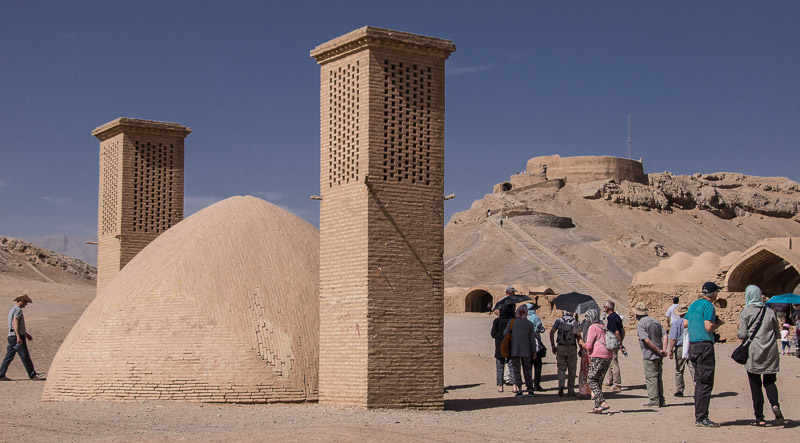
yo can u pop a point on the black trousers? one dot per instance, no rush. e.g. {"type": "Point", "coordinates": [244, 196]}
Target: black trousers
{"type": "Point", "coordinates": [701, 354]}
{"type": "Point", "coordinates": [758, 395]}
{"type": "Point", "coordinates": [537, 371]}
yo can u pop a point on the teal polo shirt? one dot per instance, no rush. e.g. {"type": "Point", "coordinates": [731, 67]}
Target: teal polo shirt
{"type": "Point", "coordinates": [699, 311]}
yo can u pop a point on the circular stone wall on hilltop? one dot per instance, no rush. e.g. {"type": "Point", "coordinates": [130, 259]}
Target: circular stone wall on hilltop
{"type": "Point", "coordinates": [222, 307]}
{"type": "Point", "coordinates": [585, 169]}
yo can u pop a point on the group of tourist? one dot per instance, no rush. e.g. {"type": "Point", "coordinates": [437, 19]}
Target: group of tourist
{"type": "Point", "coordinates": [689, 338]}
{"type": "Point", "coordinates": [523, 355]}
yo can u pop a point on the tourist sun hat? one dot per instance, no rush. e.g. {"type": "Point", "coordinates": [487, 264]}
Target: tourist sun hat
{"type": "Point", "coordinates": [23, 297]}
{"type": "Point", "coordinates": [640, 308]}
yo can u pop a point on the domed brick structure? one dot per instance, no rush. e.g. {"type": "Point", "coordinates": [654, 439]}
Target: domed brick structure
{"type": "Point", "coordinates": [222, 307]}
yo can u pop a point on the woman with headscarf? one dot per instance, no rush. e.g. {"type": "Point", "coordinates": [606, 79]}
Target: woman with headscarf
{"type": "Point", "coordinates": [505, 314]}
{"type": "Point", "coordinates": [538, 328]}
{"type": "Point", "coordinates": [763, 358]}
{"type": "Point", "coordinates": [523, 349]}
{"type": "Point", "coordinates": [584, 391]}
{"type": "Point", "coordinates": [599, 359]}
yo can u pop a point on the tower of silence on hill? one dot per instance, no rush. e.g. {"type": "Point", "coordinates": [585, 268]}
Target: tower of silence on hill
{"type": "Point", "coordinates": [235, 303]}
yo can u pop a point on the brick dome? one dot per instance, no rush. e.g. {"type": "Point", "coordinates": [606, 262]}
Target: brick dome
{"type": "Point", "coordinates": [222, 307]}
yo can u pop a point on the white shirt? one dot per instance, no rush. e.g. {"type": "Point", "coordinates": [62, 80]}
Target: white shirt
{"type": "Point", "coordinates": [671, 313]}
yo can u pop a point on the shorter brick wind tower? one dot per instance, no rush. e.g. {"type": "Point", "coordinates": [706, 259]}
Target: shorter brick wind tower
{"type": "Point", "coordinates": [141, 188]}
{"type": "Point", "coordinates": [382, 219]}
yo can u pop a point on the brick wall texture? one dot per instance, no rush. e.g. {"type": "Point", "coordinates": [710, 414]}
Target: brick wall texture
{"type": "Point", "coordinates": [141, 188]}
{"type": "Point", "coordinates": [220, 308]}
{"type": "Point", "coordinates": [382, 219]}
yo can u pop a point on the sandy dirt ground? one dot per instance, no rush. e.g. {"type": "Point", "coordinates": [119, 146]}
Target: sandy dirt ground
{"type": "Point", "coordinates": [474, 410]}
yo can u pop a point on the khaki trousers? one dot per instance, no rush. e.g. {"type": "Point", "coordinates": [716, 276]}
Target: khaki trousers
{"type": "Point", "coordinates": [680, 366]}
{"type": "Point", "coordinates": [567, 363]}
{"type": "Point", "coordinates": [614, 377]}
{"type": "Point", "coordinates": [653, 371]}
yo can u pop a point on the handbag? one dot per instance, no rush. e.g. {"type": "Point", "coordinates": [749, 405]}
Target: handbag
{"type": "Point", "coordinates": [741, 353]}
{"type": "Point", "coordinates": [541, 351]}
{"type": "Point", "coordinates": [505, 345]}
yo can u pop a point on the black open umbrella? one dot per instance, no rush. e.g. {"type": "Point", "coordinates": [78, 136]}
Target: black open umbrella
{"type": "Point", "coordinates": [509, 299]}
{"type": "Point", "coordinates": [575, 302]}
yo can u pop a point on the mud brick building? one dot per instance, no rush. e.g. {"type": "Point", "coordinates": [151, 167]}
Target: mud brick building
{"type": "Point", "coordinates": [141, 188]}
{"type": "Point", "coordinates": [221, 308]}
{"type": "Point", "coordinates": [382, 219]}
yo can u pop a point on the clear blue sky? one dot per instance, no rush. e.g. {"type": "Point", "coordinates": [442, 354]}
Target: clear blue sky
{"type": "Point", "coordinates": [711, 86]}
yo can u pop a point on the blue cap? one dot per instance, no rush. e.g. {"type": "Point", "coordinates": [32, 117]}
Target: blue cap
{"type": "Point", "coordinates": [709, 287]}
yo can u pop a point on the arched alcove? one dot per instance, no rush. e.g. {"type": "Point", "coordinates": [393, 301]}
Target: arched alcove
{"type": "Point", "coordinates": [478, 300]}
{"type": "Point", "coordinates": [765, 267]}
{"type": "Point", "coordinates": [506, 187]}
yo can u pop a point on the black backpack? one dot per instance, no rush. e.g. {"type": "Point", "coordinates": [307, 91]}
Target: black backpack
{"type": "Point", "coordinates": [566, 332]}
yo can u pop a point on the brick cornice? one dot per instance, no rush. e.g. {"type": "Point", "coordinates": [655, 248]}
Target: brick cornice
{"type": "Point", "coordinates": [370, 37]}
{"type": "Point", "coordinates": [125, 124]}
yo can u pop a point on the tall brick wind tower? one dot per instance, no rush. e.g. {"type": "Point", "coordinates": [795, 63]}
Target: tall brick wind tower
{"type": "Point", "coordinates": [382, 219]}
{"type": "Point", "coordinates": [141, 188]}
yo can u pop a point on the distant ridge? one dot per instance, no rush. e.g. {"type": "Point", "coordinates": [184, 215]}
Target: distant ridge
{"type": "Point", "coordinates": [23, 259]}
{"type": "Point", "coordinates": [69, 246]}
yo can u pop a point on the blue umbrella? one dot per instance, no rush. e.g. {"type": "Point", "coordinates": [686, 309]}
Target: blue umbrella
{"type": "Point", "coordinates": [789, 299]}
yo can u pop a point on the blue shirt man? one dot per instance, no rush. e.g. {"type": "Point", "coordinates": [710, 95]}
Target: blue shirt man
{"type": "Point", "coordinates": [700, 312]}
{"type": "Point", "coordinates": [702, 322]}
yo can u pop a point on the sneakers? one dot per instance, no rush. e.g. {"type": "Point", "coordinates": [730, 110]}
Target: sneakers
{"type": "Point", "coordinates": [706, 423]}
{"type": "Point", "coordinates": [519, 394]}
{"type": "Point", "coordinates": [679, 394]}
{"type": "Point", "coordinates": [38, 376]}
{"type": "Point", "coordinates": [4, 378]}
{"type": "Point", "coordinates": [560, 392]}
{"type": "Point", "coordinates": [530, 394]}
{"type": "Point", "coordinates": [653, 404]}
{"type": "Point", "coordinates": [616, 389]}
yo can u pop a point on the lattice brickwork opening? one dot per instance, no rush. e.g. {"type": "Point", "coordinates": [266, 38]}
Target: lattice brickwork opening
{"type": "Point", "coordinates": [343, 109]}
{"type": "Point", "coordinates": [109, 170]}
{"type": "Point", "coordinates": [154, 168]}
{"type": "Point", "coordinates": [408, 99]}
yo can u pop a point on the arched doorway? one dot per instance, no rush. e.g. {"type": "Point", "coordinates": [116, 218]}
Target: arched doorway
{"type": "Point", "coordinates": [478, 300]}
{"type": "Point", "coordinates": [765, 267]}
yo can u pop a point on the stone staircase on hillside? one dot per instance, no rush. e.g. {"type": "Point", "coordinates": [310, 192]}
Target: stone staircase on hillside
{"type": "Point", "coordinates": [501, 199]}
{"type": "Point", "coordinates": [549, 260]}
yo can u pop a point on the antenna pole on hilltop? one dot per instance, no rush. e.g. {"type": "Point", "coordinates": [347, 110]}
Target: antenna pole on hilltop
{"type": "Point", "coordinates": [630, 144]}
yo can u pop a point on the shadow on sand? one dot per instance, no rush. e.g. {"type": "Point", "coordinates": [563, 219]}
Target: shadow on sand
{"type": "Point", "coordinates": [476, 404]}
{"type": "Point", "coordinates": [456, 387]}
{"type": "Point", "coordinates": [770, 423]}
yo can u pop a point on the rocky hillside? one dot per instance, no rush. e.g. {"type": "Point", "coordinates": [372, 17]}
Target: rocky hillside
{"type": "Point", "coordinates": [596, 236]}
{"type": "Point", "coordinates": [69, 246]}
{"type": "Point", "coordinates": [26, 260]}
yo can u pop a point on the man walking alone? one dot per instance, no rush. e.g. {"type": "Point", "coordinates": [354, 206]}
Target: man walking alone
{"type": "Point", "coordinates": [18, 340]}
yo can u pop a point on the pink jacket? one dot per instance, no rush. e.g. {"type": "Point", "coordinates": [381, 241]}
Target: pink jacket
{"type": "Point", "coordinates": [596, 342]}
